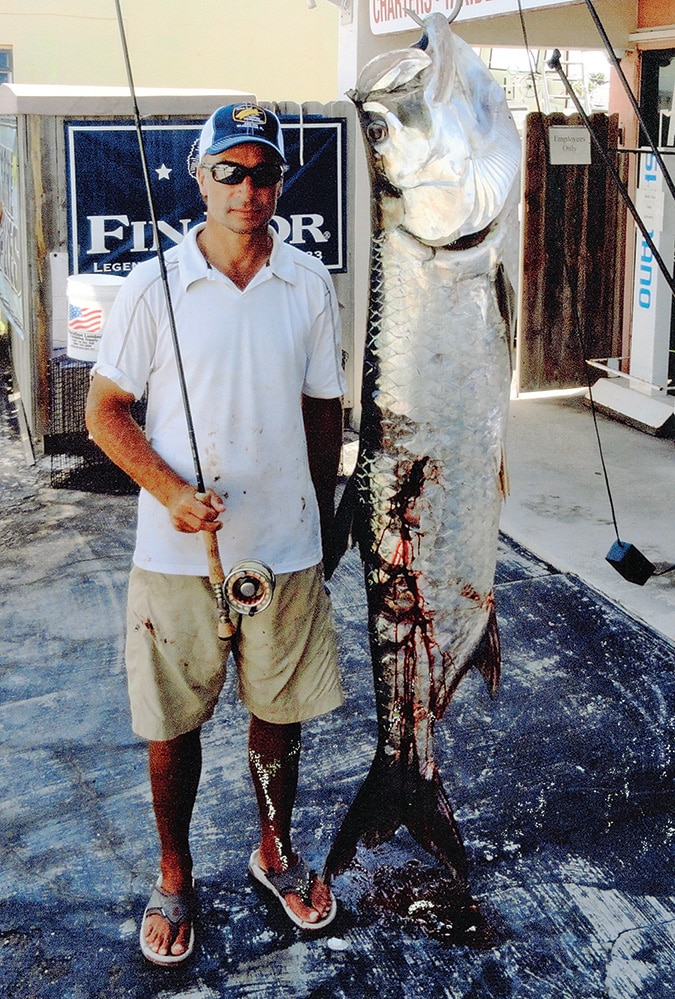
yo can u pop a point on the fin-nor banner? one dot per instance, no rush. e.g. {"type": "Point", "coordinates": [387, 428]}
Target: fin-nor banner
{"type": "Point", "coordinates": [392, 15]}
{"type": "Point", "coordinates": [109, 228]}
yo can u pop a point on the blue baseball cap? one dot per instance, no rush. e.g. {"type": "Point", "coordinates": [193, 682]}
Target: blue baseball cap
{"type": "Point", "coordinates": [238, 123]}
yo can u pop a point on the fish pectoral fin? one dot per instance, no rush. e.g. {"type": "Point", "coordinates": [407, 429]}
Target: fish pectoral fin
{"type": "Point", "coordinates": [341, 534]}
{"type": "Point", "coordinates": [504, 483]}
{"type": "Point", "coordinates": [507, 305]}
{"type": "Point", "coordinates": [393, 794]}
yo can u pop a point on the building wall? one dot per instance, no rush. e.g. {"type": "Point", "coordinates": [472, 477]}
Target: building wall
{"type": "Point", "coordinates": [276, 49]}
{"type": "Point", "coordinates": [655, 13]}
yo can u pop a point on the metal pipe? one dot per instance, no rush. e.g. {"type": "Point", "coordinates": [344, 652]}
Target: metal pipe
{"type": "Point", "coordinates": [631, 96]}
{"type": "Point", "coordinates": [451, 17]}
{"type": "Point", "coordinates": [554, 63]}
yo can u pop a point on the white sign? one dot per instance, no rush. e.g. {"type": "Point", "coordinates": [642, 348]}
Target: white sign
{"type": "Point", "coordinates": [652, 297]}
{"type": "Point", "coordinates": [388, 16]}
{"type": "Point", "coordinates": [651, 205]}
{"type": "Point", "coordinates": [569, 145]}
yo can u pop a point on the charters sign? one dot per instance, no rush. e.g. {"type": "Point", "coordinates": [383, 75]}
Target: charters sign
{"type": "Point", "coordinates": [387, 16]}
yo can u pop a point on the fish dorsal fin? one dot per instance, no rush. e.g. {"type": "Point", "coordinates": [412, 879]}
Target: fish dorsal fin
{"type": "Point", "coordinates": [439, 44]}
{"type": "Point", "coordinates": [391, 71]}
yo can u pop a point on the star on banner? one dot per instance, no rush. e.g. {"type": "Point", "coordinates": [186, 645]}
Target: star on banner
{"type": "Point", "coordinates": [163, 172]}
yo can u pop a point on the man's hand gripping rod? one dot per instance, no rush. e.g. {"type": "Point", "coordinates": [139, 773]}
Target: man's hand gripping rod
{"type": "Point", "coordinates": [216, 574]}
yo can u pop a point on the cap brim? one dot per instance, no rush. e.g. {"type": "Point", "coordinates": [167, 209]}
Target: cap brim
{"type": "Point", "coordinates": [237, 140]}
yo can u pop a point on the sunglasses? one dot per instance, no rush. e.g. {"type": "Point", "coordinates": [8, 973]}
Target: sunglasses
{"type": "Point", "coordinates": [262, 175]}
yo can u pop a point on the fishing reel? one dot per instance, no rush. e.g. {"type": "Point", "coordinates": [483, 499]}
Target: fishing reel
{"type": "Point", "coordinates": [247, 589]}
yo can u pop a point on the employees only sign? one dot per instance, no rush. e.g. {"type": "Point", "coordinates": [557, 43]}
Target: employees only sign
{"type": "Point", "coordinates": [387, 16]}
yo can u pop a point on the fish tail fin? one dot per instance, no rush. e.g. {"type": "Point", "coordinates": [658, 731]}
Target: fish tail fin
{"type": "Point", "coordinates": [487, 657]}
{"type": "Point", "coordinates": [395, 794]}
{"type": "Point", "coordinates": [373, 816]}
{"type": "Point", "coordinates": [430, 820]}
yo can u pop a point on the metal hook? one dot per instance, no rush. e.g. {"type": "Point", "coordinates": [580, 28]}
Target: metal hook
{"type": "Point", "coordinates": [455, 11]}
{"type": "Point", "coordinates": [420, 20]}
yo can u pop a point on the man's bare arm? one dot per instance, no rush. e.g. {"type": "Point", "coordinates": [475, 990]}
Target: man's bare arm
{"type": "Point", "coordinates": [323, 430]}
{"type": "Point", "coordinates": [112, 427]}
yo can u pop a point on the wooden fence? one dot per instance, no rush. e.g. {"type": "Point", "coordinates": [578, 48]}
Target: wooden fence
{"type": "Point", "coordinates": [574, 224]}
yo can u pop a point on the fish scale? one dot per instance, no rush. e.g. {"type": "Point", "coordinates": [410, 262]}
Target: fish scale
{"type": "Point", "coordinates": [430, 383]}
{"type": "Point", "coordinates": [430, 474]}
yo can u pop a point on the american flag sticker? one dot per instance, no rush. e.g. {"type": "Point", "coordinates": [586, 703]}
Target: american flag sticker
{"type": "Point", "coordinates": [83, 320]}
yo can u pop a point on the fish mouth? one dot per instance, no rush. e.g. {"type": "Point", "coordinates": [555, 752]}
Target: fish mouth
{"type": "Point", "coordinates": [467, 242]}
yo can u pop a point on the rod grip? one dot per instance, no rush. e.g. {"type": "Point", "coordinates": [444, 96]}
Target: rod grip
{"type": "Point", "coordinates": [226, 628]}
{"type": "Point", "coordinates": [216, 572]}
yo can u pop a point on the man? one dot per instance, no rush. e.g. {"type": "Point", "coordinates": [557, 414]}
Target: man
{"type": "Point", "coordinates": [258, 327]}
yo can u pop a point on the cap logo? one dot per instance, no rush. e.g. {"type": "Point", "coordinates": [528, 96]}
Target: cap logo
{"type": "Point", "coordinates": [246, 114]}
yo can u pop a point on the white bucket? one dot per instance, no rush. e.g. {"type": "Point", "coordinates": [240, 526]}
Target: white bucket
{"type": "Point", "coordinates": [90, 298]}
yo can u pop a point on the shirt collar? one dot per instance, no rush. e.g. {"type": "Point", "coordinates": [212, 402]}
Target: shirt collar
{"type": "Point", "coordinates": [191, 260]}
{"type": "Point", "coordinates": [281, 260]}
{"type": "Point", "coordinates": [193, 265]}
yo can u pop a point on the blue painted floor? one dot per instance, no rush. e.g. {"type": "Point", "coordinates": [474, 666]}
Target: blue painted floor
{"type": "Point", "coordinates": [564, 789]}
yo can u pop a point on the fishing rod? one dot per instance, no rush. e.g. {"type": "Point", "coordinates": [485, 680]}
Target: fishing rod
{"type": "Point", "coordinates": [216, 573]}
{"type": "Point", "coordinates": [631, 97]}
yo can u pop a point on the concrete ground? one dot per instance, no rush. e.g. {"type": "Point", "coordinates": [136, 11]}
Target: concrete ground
{"type": "Point", "coordinates": [560, 509]}
{"type": "Point", "coordinates": [564, 787]}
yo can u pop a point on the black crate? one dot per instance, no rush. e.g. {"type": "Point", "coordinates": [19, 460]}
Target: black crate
{"type": "Point", "coordinates": [76, 462]}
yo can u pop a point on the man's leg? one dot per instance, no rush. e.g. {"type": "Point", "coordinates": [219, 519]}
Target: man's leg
{"type": "Point", "coordinates": [175, 769]}
{"type": "Point", "coordinates": [274, 757]}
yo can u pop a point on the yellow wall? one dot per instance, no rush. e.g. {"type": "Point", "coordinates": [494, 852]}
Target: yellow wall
{"type": "Point", "coordinates": [277, 49]}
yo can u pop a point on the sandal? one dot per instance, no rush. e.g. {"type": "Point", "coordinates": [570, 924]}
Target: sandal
{"type": "Point", "coordinates": [297, 880]}
{"type": "Point", "coordinates": [176, 909]}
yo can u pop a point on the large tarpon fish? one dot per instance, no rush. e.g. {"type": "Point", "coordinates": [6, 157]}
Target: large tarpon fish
{"type": "Point", "coordinates": [444, 157]}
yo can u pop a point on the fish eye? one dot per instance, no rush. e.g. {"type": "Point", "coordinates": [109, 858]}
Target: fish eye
{"type": "Point", "coordinates": [376, 131]}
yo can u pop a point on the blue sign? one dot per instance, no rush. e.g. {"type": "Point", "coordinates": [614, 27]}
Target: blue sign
{"type": "Point", "coordinates": [109, 228]}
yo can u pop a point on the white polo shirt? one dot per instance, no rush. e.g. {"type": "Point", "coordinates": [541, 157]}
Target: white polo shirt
{"type": "Point", "coordinates": [248, 358]}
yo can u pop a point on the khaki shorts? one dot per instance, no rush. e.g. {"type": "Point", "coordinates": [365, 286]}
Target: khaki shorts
{"type": "Point", "coordinates": [286, 656]}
